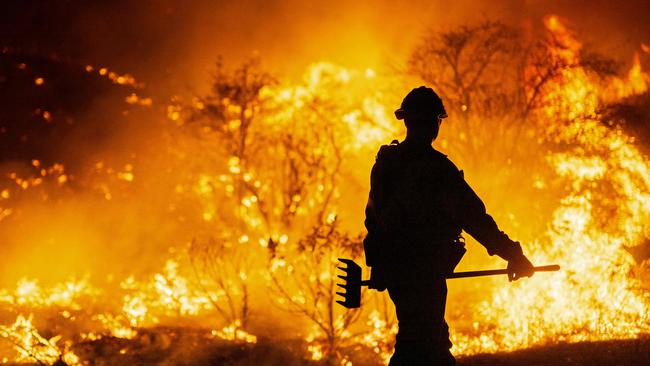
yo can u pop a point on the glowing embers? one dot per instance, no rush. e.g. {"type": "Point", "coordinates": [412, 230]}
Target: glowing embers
{"type": "Point", "coordinates": [235, 332]}
{"type": "Point", "coordinates": [125, 79]}
{"type": "Point", "coordinates": [135, 99]}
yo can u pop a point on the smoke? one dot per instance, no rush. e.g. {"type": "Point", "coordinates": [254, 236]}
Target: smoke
{"type": "Point", "coordinates": [173, 43]}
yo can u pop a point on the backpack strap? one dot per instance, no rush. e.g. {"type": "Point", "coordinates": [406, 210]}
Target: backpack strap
{"type": "Point", "coordinates": [387, 151]}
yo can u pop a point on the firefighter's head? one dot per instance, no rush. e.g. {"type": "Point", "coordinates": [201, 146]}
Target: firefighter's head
{"type": "Point", "coordinates": [422, 111]}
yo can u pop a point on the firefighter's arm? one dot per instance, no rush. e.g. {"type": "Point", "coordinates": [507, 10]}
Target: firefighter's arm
{"type": "Point", "coordinates": [474, 219]}
{"type": "Point", "coordinates": [372, 241]}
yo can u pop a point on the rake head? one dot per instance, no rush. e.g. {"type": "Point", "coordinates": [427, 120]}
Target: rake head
{"type": "Point", "coordinates": [351, 284]}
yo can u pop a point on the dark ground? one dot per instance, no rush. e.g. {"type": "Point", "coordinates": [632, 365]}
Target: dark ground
{"type": "Point", "coordinates": [620, 352]}
{"type": "Point", "coordinates": [182, 347]}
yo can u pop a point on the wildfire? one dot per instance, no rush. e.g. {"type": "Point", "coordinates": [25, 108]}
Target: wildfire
{"type": "Point", "coordinates": [267, 186]}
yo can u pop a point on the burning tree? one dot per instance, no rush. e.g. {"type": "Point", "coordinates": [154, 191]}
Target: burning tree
{"type": "Point", "coordinates": [477, 68]}
{"type": "Point", "coordinates": [286, 182]}
{"type": "Point", "coordinates": [284, 156]}
{"type": "Point", "coordinates": [493, 76]}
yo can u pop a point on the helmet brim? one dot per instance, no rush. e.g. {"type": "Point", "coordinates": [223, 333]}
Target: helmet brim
{"type": "Point", "coordinates": [401, 114]}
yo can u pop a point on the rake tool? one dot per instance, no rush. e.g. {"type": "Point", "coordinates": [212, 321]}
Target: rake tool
{"type": "Point", "coordinates": [352, 280]}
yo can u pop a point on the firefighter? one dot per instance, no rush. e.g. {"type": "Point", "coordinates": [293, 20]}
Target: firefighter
{"type": "Point", "coordinates": [418, 205]}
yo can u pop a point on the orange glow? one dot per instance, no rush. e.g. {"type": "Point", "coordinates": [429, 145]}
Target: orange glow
{"type": "Point", "coordinates": [243, 199]}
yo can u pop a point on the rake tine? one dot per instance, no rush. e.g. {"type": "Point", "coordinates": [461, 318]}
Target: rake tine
{"type": "Point", "coordinates": [352, 283]}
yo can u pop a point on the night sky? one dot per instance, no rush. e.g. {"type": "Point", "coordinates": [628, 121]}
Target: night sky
{"type": "Point", "coordinates": [174, 43]}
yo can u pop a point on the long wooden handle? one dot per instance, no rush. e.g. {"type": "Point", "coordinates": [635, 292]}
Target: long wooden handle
{"type": "Point", "coordinates": [489, 272]}
{"type": "Point", "coordinates": [492, 272]}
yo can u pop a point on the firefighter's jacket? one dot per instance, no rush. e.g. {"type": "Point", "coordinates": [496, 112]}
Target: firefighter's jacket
{"type": "Point", "coordinates": [418, 204]}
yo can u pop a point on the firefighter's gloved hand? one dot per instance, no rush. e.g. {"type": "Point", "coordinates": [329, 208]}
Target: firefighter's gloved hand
{"type": "Point", "coordinates": [377, 280]}
{"type": "Point", "coordinates": [518, 267]}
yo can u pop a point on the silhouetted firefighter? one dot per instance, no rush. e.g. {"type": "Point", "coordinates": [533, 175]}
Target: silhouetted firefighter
{"type": "Point", "coordinates": [418, 204]}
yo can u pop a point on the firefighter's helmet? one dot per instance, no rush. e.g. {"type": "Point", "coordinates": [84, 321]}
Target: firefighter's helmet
{"type": "Point", "coordinates": [421, 100]}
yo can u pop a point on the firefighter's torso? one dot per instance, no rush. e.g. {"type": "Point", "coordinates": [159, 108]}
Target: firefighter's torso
{"type": "Point", "coordinates": [417, 209]}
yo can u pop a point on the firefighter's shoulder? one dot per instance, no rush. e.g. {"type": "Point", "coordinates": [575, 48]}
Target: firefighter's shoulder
{"type": "Point", "coordinates": [446, 164]}
{"type": "Point", "coordinates": [387, 151]}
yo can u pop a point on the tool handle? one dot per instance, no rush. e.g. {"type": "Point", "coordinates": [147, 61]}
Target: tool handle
{"type": "Point", "coordinates": [489, 272]}
{"type": "Point", "coordinates": [549, 268]}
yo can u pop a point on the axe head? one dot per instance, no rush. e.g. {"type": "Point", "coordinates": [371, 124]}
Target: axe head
{"type": "Point", "coordinates": [351, 284]}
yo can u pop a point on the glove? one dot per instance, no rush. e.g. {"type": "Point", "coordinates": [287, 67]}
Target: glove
{"type": "Point", "coordinates": [518, 267]}
{"type": "Point", "coordinates": [377, 280]}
